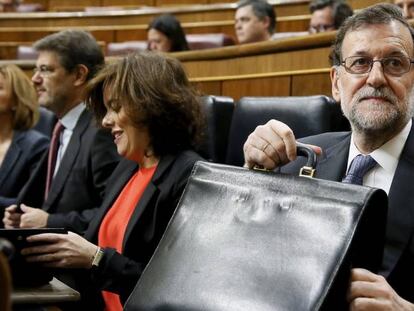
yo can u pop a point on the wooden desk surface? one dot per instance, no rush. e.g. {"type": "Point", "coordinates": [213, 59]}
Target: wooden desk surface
{"type": "Point", "coordinates": [54, 292]}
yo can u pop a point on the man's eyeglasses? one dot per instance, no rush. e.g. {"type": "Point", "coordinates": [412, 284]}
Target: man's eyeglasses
{"type": "Point", "coordinates": [393, 65]}
{"type": "Point", "coordinates": [321, 28]}
{"type": "Point", "coordinates": [43, 71]}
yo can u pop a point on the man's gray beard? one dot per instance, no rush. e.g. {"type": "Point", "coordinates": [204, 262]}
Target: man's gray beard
{"type": "Point", "coordinates": [384, 117]}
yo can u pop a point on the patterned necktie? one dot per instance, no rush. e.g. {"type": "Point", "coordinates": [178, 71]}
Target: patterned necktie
{"type": "Point", "coordinates": [360, 165]}
{"type": "Point", "coordinates": [53, 151]}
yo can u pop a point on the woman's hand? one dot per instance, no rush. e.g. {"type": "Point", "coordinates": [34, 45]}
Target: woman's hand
{"type": "Point", "coordinates": [61, 250]}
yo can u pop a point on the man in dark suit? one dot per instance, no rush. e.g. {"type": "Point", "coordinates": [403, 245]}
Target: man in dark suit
{"type": "Point", "coordinates": [255, 21]}
{"type": "Point", "coordinates": [86, 155]}
{"type": "Point", "coordinates": [373, 78]}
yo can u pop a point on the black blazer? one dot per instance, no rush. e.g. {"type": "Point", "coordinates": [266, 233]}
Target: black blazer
{"type": "Point", "coordinates": [398, 261]}
{"type": "Point", "coordinates": [80, 182]}
{"type": "Point", "coordinates": [26, 149]}
{"type": "Point", "coordinates": [120, 272]}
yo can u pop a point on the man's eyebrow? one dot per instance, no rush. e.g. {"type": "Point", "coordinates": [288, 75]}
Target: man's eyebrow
{"type": "Point", "coordinates": [392, 53]}
{"type": "Point", "coordinates": [397, 53]}
{"type": "Point", "coordinates": [360, 53]}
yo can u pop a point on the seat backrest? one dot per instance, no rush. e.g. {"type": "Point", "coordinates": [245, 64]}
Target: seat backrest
{"type": "Point", "coordinates": [30, 7]}
{"type": "Point", "coordinates": [305, 115]}
{"type": "Point", "coordinates": [218, 111]}
{"type": "Point", "coordinates": [208, 41]}
{"type": "Point", "coordinates": [46, 123]}
{"type": "Point", "coordinates": [123, 48]}
{"type": "Point", "coordinates": [290, 34]}
{"type": "Point", "coordinates": [103, 8]}
{"type": "Point", "coordinates": [195, 42]}
{"type": "Point", "coordinates": [26, 52]}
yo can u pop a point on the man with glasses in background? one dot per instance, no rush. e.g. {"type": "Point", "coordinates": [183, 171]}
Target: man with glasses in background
{"type": "Point", "coordinates": [72, 175]}
{"type": "Point", "coordinates": [328, 15]}
{"type": "Point", "coordinates": [373, 79]}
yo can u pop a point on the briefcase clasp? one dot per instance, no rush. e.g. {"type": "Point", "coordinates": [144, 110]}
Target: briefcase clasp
{"type": "Point", "coordinates": [307, 171]}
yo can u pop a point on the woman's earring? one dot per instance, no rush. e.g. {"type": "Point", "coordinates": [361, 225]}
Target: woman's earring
{"type": "Point", "coordinates": [148, 153]}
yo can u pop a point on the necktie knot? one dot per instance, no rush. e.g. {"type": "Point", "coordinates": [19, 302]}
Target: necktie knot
{"type": "Point", "coordinates": [57, 130]}
{"type": "Point", "coordinates": [360, 165]}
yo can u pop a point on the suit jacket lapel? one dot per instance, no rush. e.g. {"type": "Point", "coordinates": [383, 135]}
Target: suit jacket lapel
{"type": "Point", "coordinates": [123, 173]}
{"type": "Point", "coordinates": [11, 157]}
{"type": "Point", "coordinates": [332, 165]}
{"type": "Point", "coordinates": [148, 195]}
{"type": "Point", "coordinates": [401, 201]}
{"type": "Point", "coordinates": [68, 159]}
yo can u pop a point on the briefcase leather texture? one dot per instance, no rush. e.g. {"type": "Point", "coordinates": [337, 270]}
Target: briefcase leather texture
{"type": "Point", "coordinates": [252, 240]}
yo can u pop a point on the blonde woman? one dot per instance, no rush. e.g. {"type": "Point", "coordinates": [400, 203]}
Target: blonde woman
{"type": "Point", "coordinates": [20, 146]}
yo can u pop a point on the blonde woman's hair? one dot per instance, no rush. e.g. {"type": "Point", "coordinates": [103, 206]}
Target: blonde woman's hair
{"type": "Point", "coordinates": [26, 110]}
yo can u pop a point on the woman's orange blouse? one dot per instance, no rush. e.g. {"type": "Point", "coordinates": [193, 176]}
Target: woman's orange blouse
{"type": "Point", "coordinates": [113, 227]}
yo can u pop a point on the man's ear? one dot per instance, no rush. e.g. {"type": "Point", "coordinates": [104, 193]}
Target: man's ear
{"type": "Point", "coordinates": [266, 22]}
{"type": "Point", "coordinates": [334, 73]}
{"type": "Point", "coordinates": [81, 72]}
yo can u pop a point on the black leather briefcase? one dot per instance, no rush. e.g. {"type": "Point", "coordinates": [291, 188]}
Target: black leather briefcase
{"type": "Point", "coordinates": [250, 240]}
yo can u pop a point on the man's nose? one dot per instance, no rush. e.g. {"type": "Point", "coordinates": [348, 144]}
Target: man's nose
{"type": "Point", "coordinates": [376, 76]}
{"type": "Point", "coordinates": [36, 78]}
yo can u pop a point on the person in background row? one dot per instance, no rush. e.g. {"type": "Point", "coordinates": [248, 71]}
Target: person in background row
{"type": "Point", "coordinates": [373, 79]}
{"type": "Point", "coordinates": [21, 147]}
{"type": "Point", "coordinates": [155, 117]}
{"type": "Point", "coordinates": [9, 5]}
{"type": "Point", "coordinates": [328, 15]}
{"type": "Point", "coordinates": [165, 34]}
{"type": "Point", "coordinates": [407, 6]}
{"type": "Point", "coordinates": [255, 21]}
{"type": "Point", "coordinates": [72, 175]}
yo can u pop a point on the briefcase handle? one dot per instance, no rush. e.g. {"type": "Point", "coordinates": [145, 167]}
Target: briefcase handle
{"type": "Point", "coordinates": [307, 170]}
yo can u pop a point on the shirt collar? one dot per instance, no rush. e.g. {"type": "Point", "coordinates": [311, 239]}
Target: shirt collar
{"type": "Point", "coordinates": [70, 119]}
{"type": "Point", "coordinates": [387, 155]}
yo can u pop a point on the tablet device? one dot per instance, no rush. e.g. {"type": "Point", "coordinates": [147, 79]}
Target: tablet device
{"type": "Point", "coordinates": [23, 272]}
{"type": "Point", "coordinates": [20, 234]}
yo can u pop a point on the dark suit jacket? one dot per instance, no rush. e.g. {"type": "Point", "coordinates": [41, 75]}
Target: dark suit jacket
{"type": "Point", "coordinates": [80, 181]}
{"type": "Point", "coordinates": [398, 261]}
{"type": "Point", "coordinates": [120, 272]}
{"type": "Point", "coordinates": [26, 149]}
